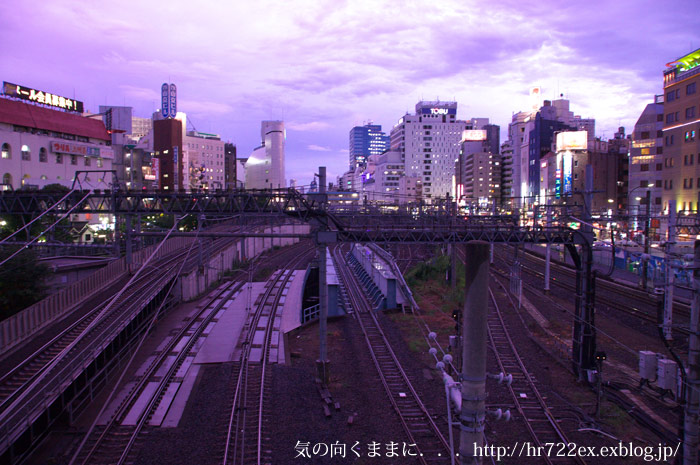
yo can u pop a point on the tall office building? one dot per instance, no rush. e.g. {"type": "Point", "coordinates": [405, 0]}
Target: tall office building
{"type": "Point", "coordinates": [265, 166]}
{"type": "Point", "coordinates": [681, 170]}
{"type": "Point", "coordinates": [646, 160]}
{"type": "Point", "coordinates": [531, 134]}
{"type": "Point", "coordinates": [478, 171]}
{"type": "Point", "coordinates": [203, 159]}
{"type": "Point", "coordinates": [429, 143]}
{"type": "Point", "coordinates": [365, 141]}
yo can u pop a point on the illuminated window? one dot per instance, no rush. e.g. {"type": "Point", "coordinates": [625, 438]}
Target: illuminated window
{"type": "Point", "coordinates": [26, 153]}
{"type": "Point", "coordinates": [99, 163]}
{"type": "Point", "coordinates": [6, 151]}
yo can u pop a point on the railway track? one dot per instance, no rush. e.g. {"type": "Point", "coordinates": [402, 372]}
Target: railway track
{"type": "Point", "coordinates": [113, 442]}
{"type": "Point", "coordinates": [417, 422]}
{"type": "Point", "coordinates": [530, 403]}
{"type": "Point", "coordinates": [24, 374]}
{"type": "Point", "coordinates": [245, 441]}
{"type": "Point", "coordinates": [613, 296]}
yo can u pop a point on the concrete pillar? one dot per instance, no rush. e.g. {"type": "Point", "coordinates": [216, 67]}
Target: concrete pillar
{"type": "Point", "coordinates": [128, 240]}
{"type": "Point", "coordinates": [322, 363]}
{"type": "Point", "coordinates": [691, 439]}
{"type": "Point", "coordinates": [474, 331]}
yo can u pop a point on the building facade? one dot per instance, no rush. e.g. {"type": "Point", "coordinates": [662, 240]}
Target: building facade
{"type": "Point", "coordinates": [40, 146]}
{"type": "Point", "coordinates": [203, 159]}
{"type": "Point", "coordinates": [646, 160]}
{"type": "Point", "coordinates": [365, 141]}
{"type": "Point", "coordinates": [429, 144]}
{"type": "Point", "coordinates": [681, 169]}
{"type": "Point", "coordinates": [477, 173]}
{"type": "Point", "coordinates": [265, 166]}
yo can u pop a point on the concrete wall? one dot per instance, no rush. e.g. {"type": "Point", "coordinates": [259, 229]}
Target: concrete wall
{"type": "Point", "coordinates": [199, 281]}
{"type": "Point", "coordinates": [32, 319]}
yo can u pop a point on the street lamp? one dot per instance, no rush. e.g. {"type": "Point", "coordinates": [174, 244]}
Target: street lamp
{"type": "Point", "coordinates": [645, 259]}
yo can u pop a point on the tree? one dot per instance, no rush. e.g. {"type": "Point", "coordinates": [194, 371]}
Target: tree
{"type": "Point", "coordinates": [22, 281]}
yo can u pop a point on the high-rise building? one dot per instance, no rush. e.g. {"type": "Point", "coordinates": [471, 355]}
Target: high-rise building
{"type": "Point", "coordinates": [478, 172]}
{"type": "Point", "coordinates": [167, 146]}
{"type": "Point", "coordinates": [531, 134]}
{"type": "Point", "coordinates": [203, 158]}
{"type": "Point", "coordinates": [429, 143]}
{"type": "Point", "coordinates": [507, 175]}
{"type": "Point", "coordinates": [646, 161]}
{"type": "Point", "coordinates": [230, 166]}
{"type": "Point", "coordinates": [681, 170]}
{"type": "Point", "coordinates": [365, 141]}
{"type": "Point", "coordinates": [265, 166]}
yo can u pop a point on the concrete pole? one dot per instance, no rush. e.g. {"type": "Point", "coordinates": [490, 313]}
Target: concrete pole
{"type": "Point", "coordinates": [474, 327]}
{"type": "Point", "coordinates": [128, 240]}
{"type": "Point", "coordinates": [668, 297]}
{"type": "Point", "coordinates": [322, 362]}
{"type": "Point", "coordinates": [547, 255]}
{"type": "Point", "coordinates": [645, 262]}
{"type": "Point", "coordinates": [691, 439]}
{"type": "Point", "coordinates": [453, 265]}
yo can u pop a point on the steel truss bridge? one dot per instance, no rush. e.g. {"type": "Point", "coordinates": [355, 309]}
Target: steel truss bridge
{"type": "Point", "coordinates": [330, 224]}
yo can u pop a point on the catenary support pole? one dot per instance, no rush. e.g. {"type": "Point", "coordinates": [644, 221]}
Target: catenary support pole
{"type": "Point", "coordinates": [474, 314]}
{"type": "Point", "coordinates": [668, 295]}
{"type": "Point", "coordinates": [645, 262]}
{"type": "Point", "coordinates": [129, 238]}
{"type": "Point", "coordinates": [322, 361]}
{"type": "Point", "coordinates": [547, 255]}
{"type": "Point", "coordinates": [691, 440]}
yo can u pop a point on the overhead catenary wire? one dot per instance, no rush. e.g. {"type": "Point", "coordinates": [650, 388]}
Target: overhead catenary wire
{"type": "Point", "coordinates": [138, 346]}
{"type": "Point", "coordinates": [38, 217]}
{"type": "Point", "coordinates": [46, 230]}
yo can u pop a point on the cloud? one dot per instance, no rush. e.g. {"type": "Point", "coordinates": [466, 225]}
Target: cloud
{"type": "Point", "coordinates": [310, 126]}
{"type": "Point", "coordinates": [318, 148]}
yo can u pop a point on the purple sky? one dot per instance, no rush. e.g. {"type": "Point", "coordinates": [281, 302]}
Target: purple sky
{"type": "Point", "coordinates": [325, 66]}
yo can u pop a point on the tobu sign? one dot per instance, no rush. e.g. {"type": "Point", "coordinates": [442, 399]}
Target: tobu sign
{"type": "Point", "coordinates": [38, 96]}
{"type": "Point", "coordinates": [438, 111]}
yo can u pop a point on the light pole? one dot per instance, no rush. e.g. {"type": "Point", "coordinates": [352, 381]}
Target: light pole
{"type": "Point", "coordinates": [645, 258]}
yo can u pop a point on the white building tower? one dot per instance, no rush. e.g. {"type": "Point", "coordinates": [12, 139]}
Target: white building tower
{"type": "Point", "coordinates": [265, 166]}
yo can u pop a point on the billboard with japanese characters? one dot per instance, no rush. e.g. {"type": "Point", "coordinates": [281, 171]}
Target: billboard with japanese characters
{"type": "Point", "coordinates": [38, 96]}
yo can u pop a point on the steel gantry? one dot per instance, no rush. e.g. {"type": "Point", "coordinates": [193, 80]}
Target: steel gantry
{"type": "Point", "coordinates": [387, 224]}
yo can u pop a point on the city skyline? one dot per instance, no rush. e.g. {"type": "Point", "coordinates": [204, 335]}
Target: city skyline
{"type": "Point", "coordinates": [324, 67]}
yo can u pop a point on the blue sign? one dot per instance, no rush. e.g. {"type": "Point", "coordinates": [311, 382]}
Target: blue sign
{"type": "Point", "coordinates": [176, 169]}
{"type": "Point", "coordinates": [568, 161]}
{"type": "Point", "coordinates": [165, 101]}
{"type": "Point", "coordinates": [173, 100]}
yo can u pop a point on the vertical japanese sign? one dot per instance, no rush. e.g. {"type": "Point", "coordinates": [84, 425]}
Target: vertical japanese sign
{"type": "Point", "coordinates": [176, 169]}
{"type": "Point", "coordinates": [173, 101]}
{"type": "Point", "coordinates": [165, 100]}
{"type": "Point", "coordinates": [568, 161]}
